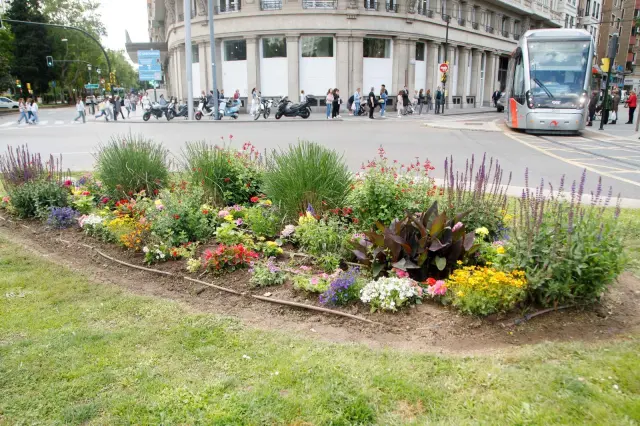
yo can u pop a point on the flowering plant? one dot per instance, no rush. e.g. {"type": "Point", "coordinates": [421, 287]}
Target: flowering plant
{"type": "Point", "coordinates": [62, 217]}
{"type": "Point", "coordinates": [269, 248]}
{"type": "Point", "coordinates": [484, 290]}
{"type": "Point", "coordinates": [390, 293]}
{"type": "Point", "coordinates": [90, 220]}
{"type": "Point", "coordinates": [342, 289]}
{"type": "Point", "coordinates": [5, 201]}
{"type": "Point", "coordinates": [318, 283]}
{"type": "Point", "coordinates": [266, 273]}
{"type": "Point", "coordinates": [83, 201]}
{"type": "Point", "coordinates": [228, 258]}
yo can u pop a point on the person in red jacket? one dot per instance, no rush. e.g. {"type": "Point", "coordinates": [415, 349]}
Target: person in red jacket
{"type": "Point", "coordinates": [632, 102]}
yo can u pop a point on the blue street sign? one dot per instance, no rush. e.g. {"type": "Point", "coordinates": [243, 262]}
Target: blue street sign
{"type": "Point", "coordinates": [620, 68]}
{"type": "Point", "coordinates": [149, 67]}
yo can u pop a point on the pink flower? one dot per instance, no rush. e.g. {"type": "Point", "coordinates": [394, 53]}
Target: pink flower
{"type": "Point", "coordinates": [400, 273]}
{"type": "Point", "coordinates": [239, 221]}
{"type": "Point", "coordinates": [67, 182]}
{"type": "Point", "coordinates": [457, 226]}
{"type": "Point", "coordinates": [438, 289]}
{"type": "Point", "coordinates": [314, 280]}
{"type": "Point", "coordinates": [223, 213]}
{"type": "Point", "coordinates": [104, 200]}
{"type": "Point", "coordinates": [6, 199]}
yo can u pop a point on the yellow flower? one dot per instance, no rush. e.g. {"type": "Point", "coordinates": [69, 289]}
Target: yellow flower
{"type": "Point", "coordinates": [261, 238]}
{"type": "Point", "coordinates": [267, 202]}
{"type": "Point", "coordinates": [482, 231]}
{"type": "Point", "coordinates": [460, 294]}
{"type": "Point", "coordinates": [459, 262]}
{"type": "Point", "coordinates": [272, 244]}
{"type": "Point", "coordinates": [228, 218]}
{"type": "Point", "coordinates": [500, 250]}
{"type": "Point", "coordinates": [507, 218]}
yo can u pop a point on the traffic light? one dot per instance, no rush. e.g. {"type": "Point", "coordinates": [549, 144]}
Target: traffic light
{"type": "Point", "coordinates": [107, 87]}
{"type": "Point", "coordinates": [18, 84]}
{"type": "Point", "coordinates": [605, 64]}
{"type": "Point", "coordinates": [112, 77]}
{"type": "Point", "coordinates": [612, 48]}
{"type": "Point", "coordinates": [50, 61]}
{"type": "Point", "coordinates": [444, 77]}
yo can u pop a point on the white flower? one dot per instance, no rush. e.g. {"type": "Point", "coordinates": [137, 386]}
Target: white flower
{"type": "Point", "coordinates": [389, 293]}
{"type": "Point", "coordinates": [90, 220]}
{"type": "Point", "coordinates": [145, 249]}
{"type": "Point", "coordinates": [288, 230]}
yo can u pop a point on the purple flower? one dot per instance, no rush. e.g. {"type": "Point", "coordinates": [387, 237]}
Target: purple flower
{"type": "Point", "coordinates": [62, 217]}
{"type": "Point", "coordinates": [457, 226]}
{"type": "Point", "coordinates": [310, 209]}
{"type": "Point", "coordinates": [239, 221]}
{"type": "Point", "coordinates": [338, 292]}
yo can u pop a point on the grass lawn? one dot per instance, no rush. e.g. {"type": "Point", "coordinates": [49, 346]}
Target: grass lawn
{"type": "Point", "coordinates": [73, 351]}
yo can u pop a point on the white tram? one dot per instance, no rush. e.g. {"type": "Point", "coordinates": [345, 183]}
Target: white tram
{"type": "Point", "coordinates": [549, 80]}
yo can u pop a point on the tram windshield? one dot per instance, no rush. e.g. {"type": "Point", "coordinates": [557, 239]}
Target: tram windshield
{"type": "Point", "coordinates": [557, 72]}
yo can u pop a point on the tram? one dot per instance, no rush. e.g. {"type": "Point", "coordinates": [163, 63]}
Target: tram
{"type": "Point", "coordinates": [548, 81]}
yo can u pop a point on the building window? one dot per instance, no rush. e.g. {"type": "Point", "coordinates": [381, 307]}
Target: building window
{"type": "Point", "coordinates": [586, 9]}
{"type": "Point", "coordinates": [274, 47]}
{"type": "Point", "coordinates": [225, 6]}
{"type": "Point", "coordinates": [516, 27]}
{"type": "Point", "coordinates": [443, 7]}
{"type": "Point", "coordinates": [317, 47]}
{"type": "Point", "coordinates": [271, 4]}
{"type": "Point", "coordinates": [195, 54]}
{"type": "Point", "coordinates": [235, 50]}
{"type": "Point", "coordinates": [571, 22]}
{"type": "Point", "coordinates": [376, 48]}
{"type": "Point", "coordinates": [419, 51]}
{"type": "Point", "coordinates": [319, 4]}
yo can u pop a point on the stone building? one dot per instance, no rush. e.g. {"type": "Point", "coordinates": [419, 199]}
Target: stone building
{"type": "Point", "coordinates": [284, 46]}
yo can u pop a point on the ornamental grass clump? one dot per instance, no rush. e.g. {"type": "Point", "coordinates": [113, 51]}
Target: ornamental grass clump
{"type": "Point", "coordinates": [306, 174]}
{"type": "Point", "coordinates": [228, 176]}
{"type": "Point", "coordinates": [479, 290]}
{"type": "Point", "coordinates": [129, 164]}
{"type": "Point", "coordinates": [36, 198]}
{"type": "Point", "coordinates": [570, 251]}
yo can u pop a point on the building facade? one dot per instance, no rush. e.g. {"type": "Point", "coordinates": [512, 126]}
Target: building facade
{"type": "Point", "coordinates": [618, 17]}
{"type": "Point", "coordinates": [282, 47]}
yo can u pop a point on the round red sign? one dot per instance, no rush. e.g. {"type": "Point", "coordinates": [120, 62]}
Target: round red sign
{"type": "Point", "coordinates": [444, 67]}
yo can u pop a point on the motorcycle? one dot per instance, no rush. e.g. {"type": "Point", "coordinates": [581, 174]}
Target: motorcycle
{"type": "Point", "coordinates": [156, 110]}
{"type": "Point", "coordinates": [263, 108]}
{"type": "Point", "coordinates": [204, 109]}
{"type": "Point", "coordinates": [288, 109]}
{"type": "Point", "coordinates": [228, 108]}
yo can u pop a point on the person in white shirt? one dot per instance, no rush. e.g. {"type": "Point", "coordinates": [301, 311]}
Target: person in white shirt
{"type": "Point", "coordinates": [80, 109]}
{"type": "Point", "coordinates": [303, 97]}
{"type": "Point", "coordinates": [127, 105]}
{"type": "Point", "coordinates": [27, 106]}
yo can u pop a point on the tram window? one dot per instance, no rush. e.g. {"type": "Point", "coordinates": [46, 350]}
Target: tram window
{"type": "Point", "coordinates": [518, 81]}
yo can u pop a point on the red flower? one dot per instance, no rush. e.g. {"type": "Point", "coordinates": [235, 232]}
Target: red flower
{"type": "Point", "coordinates": [230, 136]}
{"type": "Point", "coordinates": [176, 216]}
{"type": "Point", "coordinates": [67, 182]}
{"type": "Point", "coordinates": [104, 200]}
{"type": "Point", "coordinates": [356, 220]}
{"type": "Point", "coordinates": [155, 192]}
{"type": "Point", "coordinates": [227, 180]}
{"type": "Point", "coordinates": [431, 281]}
{"type": "Point", "coordinates": [85, 193]}
{"type": "Point", "coordinates": [254, 199]}
{"type": "Point", "coordinates": [205, 212]}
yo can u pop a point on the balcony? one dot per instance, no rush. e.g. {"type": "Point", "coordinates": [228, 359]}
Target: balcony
{"type": "Point", "coordinates": [516, 36]}
{"type": "Point", "coordinates": [392, 7]}
{"type": "Point", "coordinates": [461, 22]}
{"type": "Point", "coordinates": [319, 4]}
{"type": "Point", "coordinates": [371, 5]}
{"type": "Point", "coordinates": [505, 34]}
{"type": "Point", "coordinates": [228, 8]}
{"type": "Point", "coordinates": [270, 4]}
{"type": "Point", "coordinates": [422, 10]}
{"type": "Point", "coordinates": [489, 29]}
{"type": "Point", "coordinates": [475, 25]}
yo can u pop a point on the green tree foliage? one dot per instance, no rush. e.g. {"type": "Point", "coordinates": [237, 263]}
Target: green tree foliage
{"type": "Point", "coordinates": [6, 58]}
{"type": "Point", "coordinates": [31, 45]}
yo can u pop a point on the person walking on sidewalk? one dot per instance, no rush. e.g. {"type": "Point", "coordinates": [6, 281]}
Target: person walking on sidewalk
{"type": "Point", "coordinates": [399, 103]}
{"type": "Point", "coordinates": [23, 111]}
{"type": "Point", "coordinates": [371, 102]}
{"type": "Point", "coordinates": [614, 105]}
{"type": "Point", "coordinates": [335, 113]}
{"type": "Point", "coordinates": [438, 100]}
{"type": "Point", "coordinates": [420, 101]}
{"type": "Point", "coordinates": [127, 105]}
{"type": "Point", "coordinates": [593, 105]}
{"type": "Point", "coordinates": [34, 111]}
{"type": "Point", "coordinates": [632, 103]}
{"type": "Point", "coordinates": [607, 103]}
{"type": "Point", "coordinates": [80, 110]}
{"type": "Point", "coordinates": [329, 102]}
{"type": "Point", "coordinates": [428, 100]}
{"type": "Point", "coordinates": [383, 100]}
{"type": "Point", "coordinates": [356, 102]}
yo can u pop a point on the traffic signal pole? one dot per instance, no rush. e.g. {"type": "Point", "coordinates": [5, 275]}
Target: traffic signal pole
{"type": "Point", "coordinates": [611, 54]}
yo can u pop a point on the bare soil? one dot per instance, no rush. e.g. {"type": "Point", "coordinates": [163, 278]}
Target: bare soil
{"type": "Point", "coordinates": [428, 327]}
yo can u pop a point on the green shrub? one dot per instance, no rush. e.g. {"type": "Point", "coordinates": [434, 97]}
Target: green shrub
{"type": "Point", "coordinates": [262, 221]}
{"type": "Point", "coordinates": [265, 273]}
{"type": "Point", "coordinates": [227, 176]}
{"type": "Point", "coordinates": [35, 198]}
{"type": "Point", "coordinates": [319, 237]}
{"type": "Point", "coordinates": [229, 234]}
{"type": "Point", "coordinates": [570, 252]}
{"type": "Point", "coordinates": [306, 174]}
{"type": "Point", "coordinates": [130, 164]}
{"type": "Point", "coordinates": [387, 190]}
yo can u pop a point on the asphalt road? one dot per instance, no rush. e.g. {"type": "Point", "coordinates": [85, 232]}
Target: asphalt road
{"type": "Point", "coordinates": [358, 138]}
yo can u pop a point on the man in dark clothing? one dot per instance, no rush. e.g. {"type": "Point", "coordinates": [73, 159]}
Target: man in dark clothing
{"type": "Point", "coordinates": [496, 96]}
{"type": "Point", "coordinates": [438, 100]}
{"type": "Point", "coordinates": [371, 101]}
{"type": "Point", "coordinates": [593, 104]}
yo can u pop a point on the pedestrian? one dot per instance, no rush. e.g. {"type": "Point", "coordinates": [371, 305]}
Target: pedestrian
{"type": "Point", "coordinates": [254, 101]}
{"type": "Point", "coordinates": [428, 100]}
{"type": "Point", "coordinates": [80, 110]}
{"type": "Point", "coordinates": [593, 104]}
{"type": "Point", "coordinates": [34, 111]}
{"type": "Point", "coordinates": [127, 106]}
{"type": "Point", "coordinates": [414, 101]}
{"type": "Point", "coordinates": [405, 101]}
{"type": "Point", "coordinates": [335, 113]}
{"type": "Point", "coordinates": [607, 103]}
{"type": "Point", "coordinates": [236, 96]}
{"type": "Point", "coordinates": [399, 103]}
{"type": "Point", "coordinates": [371, 102]}
{"type": "Point", "coordinates": [614, 105]}
{"type": "Point", "coordinates": [221, 94]}
{"type": "Point", "coordinates": [420, 101]}
{"type": "Point", "coordinates": [496, 97]}
{"type": "Point", "coordinates": [27, 108]}
{"type": "Point", "coordinates": [439, 100]}
{"type": "Point", "coordinates": [632, 103]}
{"type": "Point", "coordinates": [383, 100]}
{"type": "Point", "coordinates": [328, 102]}
{"type": "Point", "coordinates": [163, 101]}
{"type": "Point", "coordinates": [23, 111]}
{"type": "Point", "coordinates": [356, 102]}
{"type": "Point", "coordinates": [303, 97]}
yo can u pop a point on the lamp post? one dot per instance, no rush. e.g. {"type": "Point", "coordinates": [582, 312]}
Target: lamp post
{"type": "Point", "coordinates": [446, 48]}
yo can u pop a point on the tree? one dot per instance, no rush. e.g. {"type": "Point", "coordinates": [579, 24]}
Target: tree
{"type": "Point", "coordinates": [6, 58]}
{"type": "Point", "coordinates": [31, 46]}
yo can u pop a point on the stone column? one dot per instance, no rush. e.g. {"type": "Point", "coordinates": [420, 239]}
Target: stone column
{"type": "Point", "coordinates": [293, 59]}
{"type": "Point", "coordinates": [450, 58]}
{"type": "Point", "coordinates": [489, 71]}
{"type": "Point", "coordinates": [463, 69]}
{"type": "Point", "coordinates": [476, 63]}
{"type": "Point", "coordinates": [181, 67]}
{"type": "Point", "coordinates": [342, 63]}
{"type": "Point", "coordinates": [205, 84]}
{"type": "Point", "coordinates": [433, 72]}
{"type": "Point", "coordinates": [357, 61]}
{"type": "Point", "coordinates": [219, 65]}
{"type": "Point", "coordinates": [400, 64]}
{"type": "Point", "coordinates": [411, 66]}
{"type": "Point", "coordinates": [253, 63]}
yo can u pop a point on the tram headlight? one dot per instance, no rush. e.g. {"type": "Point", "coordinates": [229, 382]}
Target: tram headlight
{"type": "Point", "coordinates": [529, 96]}
{"type": "Point", "coordinates": [583, 100]}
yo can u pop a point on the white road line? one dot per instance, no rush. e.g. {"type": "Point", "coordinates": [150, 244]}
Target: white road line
{"type": "Point", "coordinates": [11, 123]}
{"type": "Point", "coordinates": [59, 122]}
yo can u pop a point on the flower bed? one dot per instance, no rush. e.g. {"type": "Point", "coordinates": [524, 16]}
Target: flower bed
{"type": "Point", "coordinates": [458, 245]}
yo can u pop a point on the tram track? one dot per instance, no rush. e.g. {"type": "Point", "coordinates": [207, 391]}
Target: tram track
{"type": "Point", "coordinates": [596, 155]}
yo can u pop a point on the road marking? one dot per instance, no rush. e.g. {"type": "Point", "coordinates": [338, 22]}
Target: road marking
{"type": "Point", "coordinates": [573, 163]}
{"type": "Point", "coordinates": [59, 122]}
{"type": "Point", "coordinates": [42, 123]}
{"type": "Point", "coordinates": [11, 123]}
{"type": "Point", "coordinates": [628, 171]}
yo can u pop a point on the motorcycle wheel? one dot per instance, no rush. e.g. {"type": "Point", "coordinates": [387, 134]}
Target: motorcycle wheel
{"type": "Point", "coordinates": [267, 112]}
{"type": "Point", "coordinates": [146, 116]}
{"type": "Point", "coordinates": [170, 115]}
{"type": "Point", "coordinates": [305, 114]}
{"type": "Point", "coordinates": [278, 115]}
{"type": "Point", "coordinates": [198, 115]}
{"type": "Point", "coordinates": [235, 116]}
{"type": "Point", "coordinates": [256, 114]}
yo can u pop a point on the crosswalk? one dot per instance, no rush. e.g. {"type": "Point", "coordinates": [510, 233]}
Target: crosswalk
{"type": "Point", "coordinates": [14, 125]}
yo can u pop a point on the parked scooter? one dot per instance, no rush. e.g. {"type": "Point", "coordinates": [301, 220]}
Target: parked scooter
{"type": "Point", "coordinates": [228, 108]}
{"type": "Point", "coordinates": [263, 108]}
{"type": "Point", "coordinates": [156, 110]}
{"type": "Point", "coordinates": [288, 109]}
{"type": "Point", "coordinates": [204, 109]}
{"type": "Point", "coordinates": [182, 111]}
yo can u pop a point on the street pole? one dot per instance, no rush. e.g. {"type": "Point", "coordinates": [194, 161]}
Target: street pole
{"type": "Point", "coordinates": [212, 46]}
{"type": "Point", "coordinates": [611, 54]}
{"type": "Point", "coordinates": [446, 48]}
{"type": "Point", "coordinates": [188, 47]}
